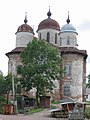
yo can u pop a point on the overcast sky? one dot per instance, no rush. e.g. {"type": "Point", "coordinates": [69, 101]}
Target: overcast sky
{"type": "Point", "coordinates": [12, 14]}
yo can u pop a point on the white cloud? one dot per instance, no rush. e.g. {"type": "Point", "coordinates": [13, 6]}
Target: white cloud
{"type": "Point", "coordinates": [84, 25]}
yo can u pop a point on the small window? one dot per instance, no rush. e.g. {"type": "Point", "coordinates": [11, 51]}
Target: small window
{"type": "Point", "coordinates": [60, 41]}
{"type": "Point", "coordinates": [67, 90]}
{"type": "Point", "coordinates": [19, 69]}
{"type": "Point", "coordinates": [68, 40]}
{"type": "Point", "coordinates": [56, 38]}
{"type": "Point", "coordinates": [40, 36]}
{"type": "Point", "coordinates": [48, 37]}
{"type": "Point", "coordinates": [67, 69]}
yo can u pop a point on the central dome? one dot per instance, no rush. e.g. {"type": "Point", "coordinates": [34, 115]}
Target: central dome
{"type": "Point", "coordinates": [49, 23]}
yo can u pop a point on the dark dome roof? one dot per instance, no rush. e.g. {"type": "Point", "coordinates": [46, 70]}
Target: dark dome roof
{"type": "Point", "coordinates": [24, 28]}
{"type": "Point", "coordinates": [49, 23]}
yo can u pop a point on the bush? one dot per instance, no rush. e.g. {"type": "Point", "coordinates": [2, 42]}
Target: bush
{"type": "Point", "coordinates": [2, 102]}
{"type": "Point", "coordinates": [87, 113]}
{"type": "Point", "coordinates": [19, 102]}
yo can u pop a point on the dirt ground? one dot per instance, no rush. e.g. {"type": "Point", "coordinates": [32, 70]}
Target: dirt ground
{"type": "Point", "coordinates": [44, 115]}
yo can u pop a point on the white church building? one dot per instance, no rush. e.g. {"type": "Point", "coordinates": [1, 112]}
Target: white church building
{"type": "Point", "coordinates": [73, 83]}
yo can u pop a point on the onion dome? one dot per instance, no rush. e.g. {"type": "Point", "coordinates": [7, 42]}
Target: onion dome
{"type": "Point", "coordinates": [68, 27]}
{"type": "Point", "coordinates": [48, 23]}
{"type": "Point", "coordinates": [25, 27]}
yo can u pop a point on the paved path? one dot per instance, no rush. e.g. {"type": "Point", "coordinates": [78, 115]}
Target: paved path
{"type": "Point", "coordinates": [44, 115]}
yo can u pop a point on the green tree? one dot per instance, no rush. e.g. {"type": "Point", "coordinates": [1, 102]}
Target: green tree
{"type": "Point", "coordinates": [88, 84]}
{"type": "Point", "coordinates": [1, 83]}
{"type": "Point", "coordinates": [5, 85]}
{"type": "Point", "coordinates": [41, 66]}
{"type": "Point", "coordinates": [2, 97]}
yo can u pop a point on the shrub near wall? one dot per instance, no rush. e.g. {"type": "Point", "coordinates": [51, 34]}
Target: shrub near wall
{"type": "Point", "coordinates": [87, 113]}
{"type": "Point", "coordinates": [2, 102]}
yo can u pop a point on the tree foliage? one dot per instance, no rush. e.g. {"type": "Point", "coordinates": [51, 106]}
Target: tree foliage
{"type": "Point", "coordinates": [1, 83]}
{"type": "Point", "coordinates": [5, 85]}
{"type": "Point", "coordinates": [41, 66]}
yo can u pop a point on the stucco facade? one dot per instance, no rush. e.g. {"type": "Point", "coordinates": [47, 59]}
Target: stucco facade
{"type": "Point", "coordinates": [53, 34]}
{"type": "Point", "coordinates": [73, 80]}
{"type": "Point", "coordinates": [23, 38]}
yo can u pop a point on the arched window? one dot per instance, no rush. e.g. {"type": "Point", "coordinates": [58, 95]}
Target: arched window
{"type": "Point", "coordinates": [48, 37]}
{"type": "Point", "coordinates": [68, 40]}
{"type": "Point", "coordinates": [39, 36]}
{"type": "Point", "coordinates": [60, 41]}
{"type": "Point", "coordinates": [56, 38]}
{"type": "Point", "coordinates": [19, 69]}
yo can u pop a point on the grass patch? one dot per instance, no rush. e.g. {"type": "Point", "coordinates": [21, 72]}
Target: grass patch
{"type": "Point", "coordinates": [35, 110]}
{"type": "Point", "coordinates": [87, 113]}
{"type": "Point", "coordinates": [88, 102]}
{"type": "Point", "coordinates": [20, 111]}
{"type": "Point", "coordinates": [30, 110]}
{"type": "Point", "coordinates": [53, 107]}
{"type": "Point", "coordinates": [55, 102]}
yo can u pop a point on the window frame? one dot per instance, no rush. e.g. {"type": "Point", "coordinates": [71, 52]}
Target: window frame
{"type": "Point", "coordinates": [48, 37]}
{"type": "Point", "coordinates": [55, 38]}
{"type": "Point", "coordinates": [67, 69]}
{"type": "Point", "coordinates": [67, 90]}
